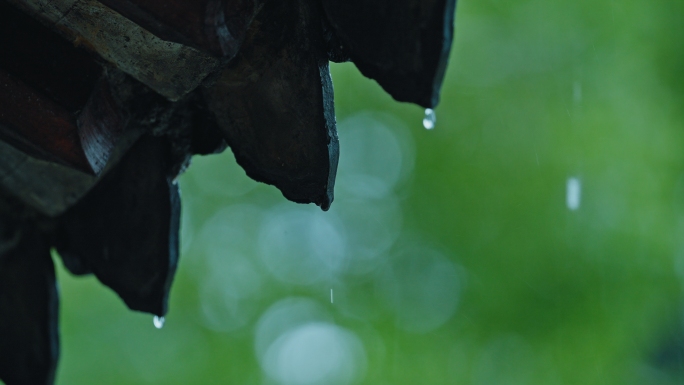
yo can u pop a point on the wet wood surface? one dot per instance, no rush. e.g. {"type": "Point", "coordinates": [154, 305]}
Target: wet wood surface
{"type": "Point", "coordinates": [215, 26]}
{"type": "Point", "coordinates": [274, 104]}
{"type": "Point", "coordinates": [171, 69]}
{"type": "Point", "coordinates": [38, 125]}
{"type": "Point", "coordinates": [103, 103]}
{"type": "Point", "coordinates": [403, 44]}
{"type": "Point", "coordinates": [29, 338]}
{"type": "Point", "coordinates": [125, 230]}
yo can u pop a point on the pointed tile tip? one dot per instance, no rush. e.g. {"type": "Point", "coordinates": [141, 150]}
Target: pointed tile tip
{"type": "Point", "coordinates": [427, 97]}
{"type": "Point", "coordinates": [155, 306]}
{"type": "Point", "coordinates": [433, 101]}
{"type": "Point", "coordinates": [326, 202]}
{"type": "Point", "coordinates": [325, 206]}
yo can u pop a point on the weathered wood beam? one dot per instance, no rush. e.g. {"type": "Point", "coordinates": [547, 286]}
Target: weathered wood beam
{"type": "Point", "coordinates": [38, 125]}
{"type": "Point", "coordinates": [46, 186]}
{"type": "Point", "coordinates": [45, 61]}
{"type": "Point", "coordinates": [45, 82]}
{"type": "Point", "coordinates": [171, 69]}
{"type": "Point", "coordinates": [109, 124]}
{"type": "Point", "coordinates": [215, 26]}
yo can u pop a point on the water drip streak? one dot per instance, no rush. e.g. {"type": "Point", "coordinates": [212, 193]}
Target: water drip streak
{"type": "Point", "coordinates": [573, 193]}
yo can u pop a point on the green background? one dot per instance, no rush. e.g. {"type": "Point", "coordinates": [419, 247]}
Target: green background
{"type": "Point", "coordinates": [452, 254]}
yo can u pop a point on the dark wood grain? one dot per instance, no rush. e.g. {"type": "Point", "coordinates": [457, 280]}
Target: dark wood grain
{"type": "Point", "coordinates": [45, 61]}
{"type": "Point", "coordinates": [38, 125]}
{"type": "Point", "coordinates": [47, 83]}
{"type": "Point", "coordinates": [216, 26]}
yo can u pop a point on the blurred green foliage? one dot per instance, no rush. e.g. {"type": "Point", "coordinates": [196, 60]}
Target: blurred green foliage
{"type": "Point", "coordinates": [471, 268]}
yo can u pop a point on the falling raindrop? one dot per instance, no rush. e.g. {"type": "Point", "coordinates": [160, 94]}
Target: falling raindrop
{"type": "Point", "coordinates": [158, 322]}
{"type": "Point", "coordinates": [430, 119]}
{"type": "Point", "coordinates": [577, 92]}
{"type": "Point", "coordinates": [573, 193]}
{"type": "Point", "coordinates": [331, 296]}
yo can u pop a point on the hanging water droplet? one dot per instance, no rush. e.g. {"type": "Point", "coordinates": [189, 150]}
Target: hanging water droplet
{"type": "Point", "coordinates": [158, 322]}
{"type": "Point", "coordinates": [430, 119]}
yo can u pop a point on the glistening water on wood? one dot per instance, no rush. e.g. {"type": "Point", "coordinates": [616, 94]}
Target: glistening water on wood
{"type": "Point", "coordinates": [103, 103]}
